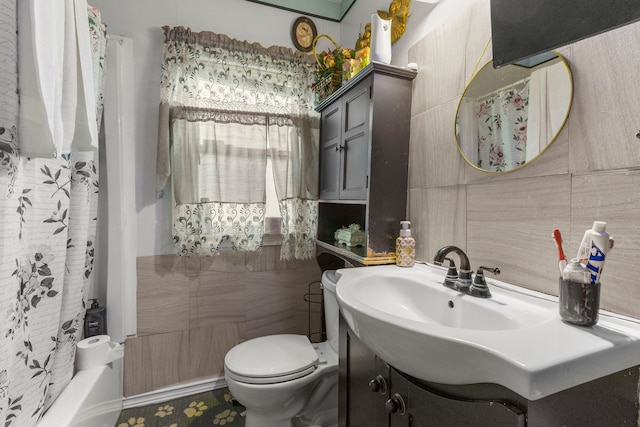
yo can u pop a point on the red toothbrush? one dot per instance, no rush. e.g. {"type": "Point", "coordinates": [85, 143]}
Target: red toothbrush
{"type": "Point", "coordinates": [562, 259]}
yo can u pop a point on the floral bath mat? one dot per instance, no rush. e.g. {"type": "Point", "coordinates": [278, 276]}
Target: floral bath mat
{"type": "Point", "coordinates": [212, 408]}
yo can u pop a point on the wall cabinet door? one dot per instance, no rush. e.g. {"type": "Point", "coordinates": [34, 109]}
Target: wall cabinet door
{"type": "Point", "coordinates": [344, 146]}
{"type": "Point", "coordinates": [354, 173]}
{"type": "Point", "coordinates": [330, 144]}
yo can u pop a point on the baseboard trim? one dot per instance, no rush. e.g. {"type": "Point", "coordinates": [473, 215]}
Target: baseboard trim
{"type": "Point", "coordinates": [173, 392]}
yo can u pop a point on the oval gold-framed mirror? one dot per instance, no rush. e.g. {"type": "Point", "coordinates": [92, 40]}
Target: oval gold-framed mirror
{"type": "Point", "coordinates": [507, 117]}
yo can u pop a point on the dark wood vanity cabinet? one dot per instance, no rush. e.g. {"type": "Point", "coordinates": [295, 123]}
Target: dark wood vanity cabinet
{"type": "Point", "coordinates": [374, 394]}
{"type": "Point", "coordinates": [377, 395]}
{"type": "Point", "coordinates": [425, 408]}
{"type": "Point", "coordinates": [364, 157]}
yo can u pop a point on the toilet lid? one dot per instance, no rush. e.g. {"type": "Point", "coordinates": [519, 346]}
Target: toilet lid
{"type": "Point", "coordinates": [270, 359]}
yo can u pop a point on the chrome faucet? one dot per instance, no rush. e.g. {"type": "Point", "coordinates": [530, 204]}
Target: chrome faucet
{"type": "Point", "coordinates": [461, 281]}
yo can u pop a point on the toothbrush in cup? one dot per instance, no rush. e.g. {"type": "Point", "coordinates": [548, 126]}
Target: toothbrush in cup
{"type": "Point", "coordinates": [562, 259]}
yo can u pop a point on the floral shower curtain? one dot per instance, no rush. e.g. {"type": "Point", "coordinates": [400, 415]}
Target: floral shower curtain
{"type": "Point", "coordinates": [47, 213]}
{"type": "Point", "coordinates": [225, 106]}
{"type": "Point", "coordinates": [502, 128]}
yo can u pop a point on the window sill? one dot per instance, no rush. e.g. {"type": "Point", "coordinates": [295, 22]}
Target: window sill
{"type": "Point", "coordinates": [272, 240]}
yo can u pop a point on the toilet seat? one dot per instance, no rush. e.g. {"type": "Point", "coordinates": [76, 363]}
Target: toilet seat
{"type": "Point", "coordinates": [271, 359]}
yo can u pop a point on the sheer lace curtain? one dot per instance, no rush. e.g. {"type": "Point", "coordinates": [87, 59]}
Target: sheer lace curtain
{"type": "Point", "coordinates": [226, 105]}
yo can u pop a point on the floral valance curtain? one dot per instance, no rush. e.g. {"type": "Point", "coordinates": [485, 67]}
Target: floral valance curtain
{"type": "Point", "coordinates": [502, 128]}
{"type": "Point", "coordinates": [225, 106]}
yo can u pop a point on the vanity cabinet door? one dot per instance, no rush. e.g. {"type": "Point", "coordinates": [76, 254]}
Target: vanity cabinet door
{"type": "Point", "coordinates": [425, 408]}
{"type": "Point", "coordinates": [367, 387]}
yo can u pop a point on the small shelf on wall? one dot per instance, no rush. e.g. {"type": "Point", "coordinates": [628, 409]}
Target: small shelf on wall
{"type": "Point", "coordinates": [355, 256]}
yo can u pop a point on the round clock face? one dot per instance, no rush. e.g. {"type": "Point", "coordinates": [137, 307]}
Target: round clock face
{"type": "Point", "coordinates": [303, 33]}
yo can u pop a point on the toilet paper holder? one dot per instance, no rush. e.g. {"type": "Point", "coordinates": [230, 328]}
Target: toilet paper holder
{"type": "Point", "coordinates": [97, 351]}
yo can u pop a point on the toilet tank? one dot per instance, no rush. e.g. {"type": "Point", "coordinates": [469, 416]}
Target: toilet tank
{"type": "Point", "coordinates": [331, 309]}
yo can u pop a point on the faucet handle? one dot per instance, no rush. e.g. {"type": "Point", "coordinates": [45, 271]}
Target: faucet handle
{"type": "Point", "coordinates": [479, 287]}
{"type": "Point", "coordinates": [493, 270]}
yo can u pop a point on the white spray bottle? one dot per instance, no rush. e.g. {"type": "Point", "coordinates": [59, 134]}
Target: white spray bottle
{"type": "Point", "coordinates": [380, 39]}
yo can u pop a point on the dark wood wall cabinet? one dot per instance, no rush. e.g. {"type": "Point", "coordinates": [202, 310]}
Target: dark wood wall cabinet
{"type": "Point", "coordinates": [364, 156]}
{"type": "Point", "coordinates": [374, 394]}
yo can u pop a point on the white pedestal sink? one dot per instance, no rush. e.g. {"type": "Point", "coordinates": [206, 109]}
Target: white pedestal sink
{"type": "Point", "coordinates": [515, 338]}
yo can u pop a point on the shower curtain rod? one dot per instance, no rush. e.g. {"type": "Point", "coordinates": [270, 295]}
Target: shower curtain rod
{"type": "Point", "coordinates": [510, 85]}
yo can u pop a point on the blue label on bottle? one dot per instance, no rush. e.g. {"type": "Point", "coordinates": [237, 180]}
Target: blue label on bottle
{"type": "Point", "coordinates": [596, 259]}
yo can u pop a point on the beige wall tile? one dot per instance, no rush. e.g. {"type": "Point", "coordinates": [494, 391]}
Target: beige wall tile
{"type": "Point", "coordinates": [214, 264]}
{"type": "Point", "coordinates": [271, 303]}
{"type": "Point", "coordinates": [155, 361]}
{"type": "Point", "coordinates": [448, 206]}
{"type": "Point", "coordinates": [216, 302]}
{"type": "Point", "coordinates": [441, 66]}
{"type": "Point", "coordinates": [417, 212]}
{"type": "Point", "coordinates": [208, 346]}
{"type": "Point", "coordinates": [509, 225]}
{"type": "Point", "coordinates": [441, 219]}
{"type": "Point", "coordinates": [449, 55]}
{"type": "Point", "coordinates": [231, 262]}
{"type": "Point", "coordinates": [478, 48]}
{"type": "Point", "coordinates": [160, 265]}
{"type": "Point", "coordinates": [508, 218]}
{"type": "Point", "coordinates": [612, 197]}
{"type": "Point", "coordinates": [163, 295]}
{"type": "Point", "coordinates": [219, 298]}
{"type": "Point", "coordinates": [434, 160]}
{"type": "Point", "coordinates": [606, 113]}
{"type": "Point", "coordinates": [268, 259]}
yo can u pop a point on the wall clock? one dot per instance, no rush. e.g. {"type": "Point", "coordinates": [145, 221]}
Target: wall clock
{"type": "Point", "coordinates": [302, 34]}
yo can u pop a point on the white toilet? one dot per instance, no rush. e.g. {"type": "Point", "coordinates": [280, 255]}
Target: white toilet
{"type": "Point", "coordinates": [285, 380]}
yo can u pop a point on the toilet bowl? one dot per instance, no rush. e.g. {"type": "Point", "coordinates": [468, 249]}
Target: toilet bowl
{"type": "Point", "coordinates": [285, 380]}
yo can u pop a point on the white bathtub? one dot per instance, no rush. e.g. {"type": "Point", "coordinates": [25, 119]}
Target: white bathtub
{"type": "Point", "coordinates": [93, 398]}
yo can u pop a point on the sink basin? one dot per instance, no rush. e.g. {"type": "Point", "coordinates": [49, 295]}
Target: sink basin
{"type": "Point", "coordinates": [408, 298]}
{"type": "Point", "coordinates": [515, 338]}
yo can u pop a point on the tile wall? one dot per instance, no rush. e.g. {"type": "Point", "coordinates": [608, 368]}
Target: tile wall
{"type": "Point", "coordinates": [592, 171]}
{"type": "Point", "coordinates": [191, 311]}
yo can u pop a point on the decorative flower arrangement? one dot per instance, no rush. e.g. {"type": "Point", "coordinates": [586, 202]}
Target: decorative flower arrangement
{"type": "Point", "coordinates": [329, 67]}
{"type": "Point", "coordinates": [332, 62]}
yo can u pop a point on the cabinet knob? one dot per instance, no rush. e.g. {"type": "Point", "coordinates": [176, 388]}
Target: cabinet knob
{"type": "Point", "coordinates": [396, 405]}
{"type": "Point", "coordinates": [378, 384]}
{"type": "Point", "coordinates": [339, 147]}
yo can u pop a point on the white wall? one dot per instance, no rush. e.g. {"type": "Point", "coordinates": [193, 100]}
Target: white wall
{"type": "Point", "coordinates": [142, 21]}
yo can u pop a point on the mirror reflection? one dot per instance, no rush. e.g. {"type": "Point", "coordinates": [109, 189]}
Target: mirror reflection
{"type": "Point", "coordinates": [507, 117]}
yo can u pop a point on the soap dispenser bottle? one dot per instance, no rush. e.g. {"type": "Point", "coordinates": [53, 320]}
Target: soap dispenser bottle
{"type": "Point", "coordinates": [95, 321]}
{"type": "Point", "coordinates": [405, 246]}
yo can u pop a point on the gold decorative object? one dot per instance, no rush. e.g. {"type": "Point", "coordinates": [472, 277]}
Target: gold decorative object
{"type": "Point", "coordinates": [364, 39]}
{"type": "Point", "coordinates": [398, 14]}
{"type": "Point", "coordinates": [351, 236]}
